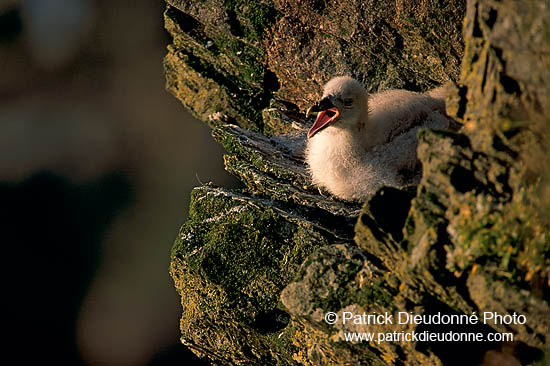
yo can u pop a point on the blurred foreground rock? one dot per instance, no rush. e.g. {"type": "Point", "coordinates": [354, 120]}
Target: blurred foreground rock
{"type": "Point", "coordinates": [257, 269]}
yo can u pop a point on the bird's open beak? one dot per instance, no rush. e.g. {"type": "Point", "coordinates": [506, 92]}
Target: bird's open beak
{"type": "Point", "coordinates": [327, 114]}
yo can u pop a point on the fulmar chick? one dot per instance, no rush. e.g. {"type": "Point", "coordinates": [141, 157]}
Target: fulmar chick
{"type": "Point", "coordinates": [359, 143]}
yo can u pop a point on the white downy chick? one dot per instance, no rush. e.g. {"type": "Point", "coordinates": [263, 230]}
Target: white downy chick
{"type": "Point", "coordinates": [359, 143]}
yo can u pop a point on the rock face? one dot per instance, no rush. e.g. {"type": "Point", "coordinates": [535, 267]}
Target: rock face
{"type": "Point", "coordinates": [230, 60]}
{"type": "Point", "coordinates": [258, 269]}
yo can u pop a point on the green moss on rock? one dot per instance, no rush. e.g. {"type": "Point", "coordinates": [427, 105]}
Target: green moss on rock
{"type": "Point", "coordinates": [230, 262]}
{"type": "Point", "coordinates": [221, 78]}
{"type": "Point", "coordinates": [258, 269]}
{"type": "Point", "coordinates": [281, 50]}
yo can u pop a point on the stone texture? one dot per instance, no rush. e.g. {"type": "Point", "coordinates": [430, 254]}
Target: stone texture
{"type": "Point", "coordinates": [258, 268]}
{"type": "Point", "coordinates": [230, 60]}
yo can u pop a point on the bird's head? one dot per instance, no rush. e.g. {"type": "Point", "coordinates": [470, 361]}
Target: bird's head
{"type": "Point", "coordinates": [343, 103]}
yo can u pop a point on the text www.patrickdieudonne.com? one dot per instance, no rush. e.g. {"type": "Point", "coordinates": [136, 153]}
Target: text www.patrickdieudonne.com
{"type": "Point", "coordinates": [426, 336]}
{"type": "Point", "coordinates": [350, 321]}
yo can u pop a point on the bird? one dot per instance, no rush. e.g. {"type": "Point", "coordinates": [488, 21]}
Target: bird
{"type": "Point", "coordinates": [360, 142]}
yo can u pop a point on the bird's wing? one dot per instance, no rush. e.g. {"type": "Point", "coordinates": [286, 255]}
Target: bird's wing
{"type": "Point", "coordinates": [395, 112]}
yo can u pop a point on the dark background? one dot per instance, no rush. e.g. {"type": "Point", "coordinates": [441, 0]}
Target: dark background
{"type": "Point", "coordinates": [97, 162]}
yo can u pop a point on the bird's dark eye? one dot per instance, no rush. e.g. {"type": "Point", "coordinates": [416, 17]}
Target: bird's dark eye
{"type": "Point", "coordinates": [348, 102]}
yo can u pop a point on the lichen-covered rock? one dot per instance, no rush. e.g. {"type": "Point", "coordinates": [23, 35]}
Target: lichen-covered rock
{"type": "Point", "coordinates": [230, 60]}
{"type": "Point", "coordinates": [341, 280]}
{"type": "Point", "coordinates": [384, 45]}
{"type": "Point", "coordinates": [274, 167]}
{"type": "Point", "coordinates": [258, 269]}
{"type": "Point", "coordinates": [215, 65]}
{"type": "Point", "coordinates": [230, 261]}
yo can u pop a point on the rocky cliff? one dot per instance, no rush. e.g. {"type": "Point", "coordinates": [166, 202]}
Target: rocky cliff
{"type": "Point", "coordinates": [258, 269]}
